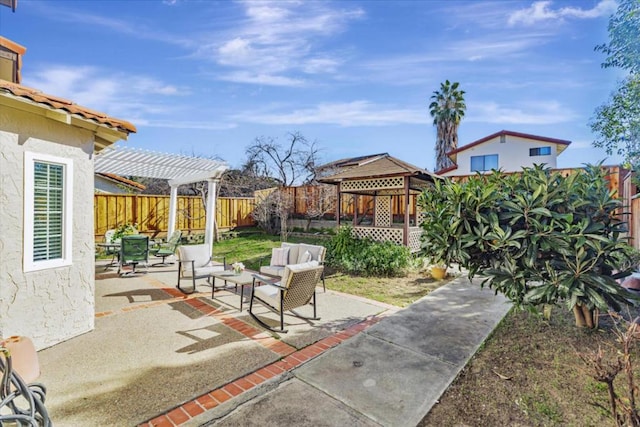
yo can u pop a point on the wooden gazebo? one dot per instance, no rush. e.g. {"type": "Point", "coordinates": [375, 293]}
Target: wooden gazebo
{"type": "Point", "coordinates": [391, 185]}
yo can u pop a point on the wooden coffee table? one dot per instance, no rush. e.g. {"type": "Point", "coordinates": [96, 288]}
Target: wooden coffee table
{"type": "Point", "coordinates": [245, 278]}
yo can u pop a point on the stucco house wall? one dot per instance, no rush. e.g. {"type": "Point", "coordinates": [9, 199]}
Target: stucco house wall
{"type": "Point", "coordinates": [55, 304]}
{"type": "Point", "coordinates": [513, 155]}
{"type": "Point", "coordinates": [511, 150]}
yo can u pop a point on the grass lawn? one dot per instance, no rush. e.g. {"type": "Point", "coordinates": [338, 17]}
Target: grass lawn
{"type": "Point", "coordinates": [528, 373]}
{"type": "Point", "coordinates": [254, 250]}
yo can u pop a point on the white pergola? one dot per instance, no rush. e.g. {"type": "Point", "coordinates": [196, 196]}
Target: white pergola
{"type": "Point", "coordinates": [176, 168]}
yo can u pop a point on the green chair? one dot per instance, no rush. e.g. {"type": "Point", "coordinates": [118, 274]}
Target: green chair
{"type": "Point", "coordinates": [167, 249]}
{"type": "Point", "coordinates": [134, 250]}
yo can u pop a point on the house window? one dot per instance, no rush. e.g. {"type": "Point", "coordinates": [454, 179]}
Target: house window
{"type": "Point", "coordinates": [47, 211]}
{"type": "Point", "coordinates": [484, 163]}
{"type": "Point", "coordinates": [539, 151]}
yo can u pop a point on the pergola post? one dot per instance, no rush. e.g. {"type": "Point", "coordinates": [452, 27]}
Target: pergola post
{"type": "Point", "coordinates": [173, 209]}
{"type": "Point", "coordinates": [211, 214]}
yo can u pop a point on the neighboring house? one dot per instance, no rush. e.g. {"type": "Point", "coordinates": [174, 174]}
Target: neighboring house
{"type": "Point", "coordinates": [505, 150]}
{"type": "Point", "coordinates": [108, 183]}
{"type": "Point", "coordinates": [46, 212]}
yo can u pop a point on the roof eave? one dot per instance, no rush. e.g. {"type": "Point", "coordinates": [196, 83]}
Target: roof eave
{"type": "Point", "coordinates": [104, 135]}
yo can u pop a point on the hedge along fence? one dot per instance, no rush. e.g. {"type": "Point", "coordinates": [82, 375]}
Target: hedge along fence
{"type": "Point", "coordinates": [151, 213]}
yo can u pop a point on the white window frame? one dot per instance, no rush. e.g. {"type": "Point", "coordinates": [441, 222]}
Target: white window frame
{"type": "Point", "coordinates": [30, 159]}
{"type": "Point", "coordinates": [537, 151]}
{"type": "Point", "coordinates": [484, 162]}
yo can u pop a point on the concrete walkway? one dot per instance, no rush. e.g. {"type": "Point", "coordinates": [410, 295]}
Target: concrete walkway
{"type": "Point", "coordinates": [389, 372]}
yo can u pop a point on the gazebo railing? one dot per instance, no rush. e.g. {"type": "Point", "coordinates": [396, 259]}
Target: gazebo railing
{"type": "Point", "coordinates": [390, 234]}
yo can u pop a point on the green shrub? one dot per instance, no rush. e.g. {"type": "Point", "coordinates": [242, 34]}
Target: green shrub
{"type": "Point", "coordinates": [537, 237]}
{"type": "Point", "coordinates": [365, 257]}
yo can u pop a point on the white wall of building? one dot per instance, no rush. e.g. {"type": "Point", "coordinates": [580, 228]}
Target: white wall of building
{"type": "Point", "coordinates": [56, 304]}
{"type": "Point", "coordinates": [513, 155]}
{"type": "Point", "coordinates": [107, 186]}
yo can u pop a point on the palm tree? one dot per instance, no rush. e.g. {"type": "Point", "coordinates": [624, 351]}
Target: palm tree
{"type": "Point", "coordinates": [447, 109]}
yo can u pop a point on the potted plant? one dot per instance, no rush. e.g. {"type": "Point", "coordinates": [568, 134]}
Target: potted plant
{"type": "Point", "coordinates": [440, 227]}
{"type": "Point", "coordinates": [124, 230]}
{"type": "Point", "coordinates": [237, 268]}
{"type": "Point", "coordinates": [439, 271]}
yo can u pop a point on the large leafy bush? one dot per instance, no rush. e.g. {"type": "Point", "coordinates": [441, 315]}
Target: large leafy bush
{"type": "Point", "coordinates": [537, 237]}
{"type": "Point", "coordinates": [366, 257]}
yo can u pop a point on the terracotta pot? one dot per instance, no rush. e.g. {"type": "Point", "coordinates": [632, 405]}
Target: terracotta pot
{"type": "Point", "coordinates": [24, 357]}
{"type": "Point", "coordinates": [438, 273]}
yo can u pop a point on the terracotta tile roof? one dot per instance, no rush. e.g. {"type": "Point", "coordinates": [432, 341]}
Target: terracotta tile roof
{"type": "Point", "coordinates": [66, 105]}
{"type": "Point", "coordinates": [382, 166]}
{"type": "Point", "coordinates": [123, 180]}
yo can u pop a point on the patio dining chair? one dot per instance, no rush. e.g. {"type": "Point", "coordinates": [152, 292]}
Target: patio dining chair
{"type": "Point", "coordinates": [110, 248]}
{"type": "Point", "coordinates": [134, 250]}
{"type": "Point", "coordinates": [167, 249]}
{"type": "Point", "coordinates": [194, 262]}
{"type": "Point", "coordinates": [296, 288]}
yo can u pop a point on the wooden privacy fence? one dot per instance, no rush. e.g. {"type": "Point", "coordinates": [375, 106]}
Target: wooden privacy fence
{"type": "Point", "coordinates": [151, 213]}
{"type": "Point", "coordinates": [634, 223]}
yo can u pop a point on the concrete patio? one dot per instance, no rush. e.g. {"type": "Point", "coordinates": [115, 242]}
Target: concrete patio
{"type": "Point", "coordinates": [154, 349]}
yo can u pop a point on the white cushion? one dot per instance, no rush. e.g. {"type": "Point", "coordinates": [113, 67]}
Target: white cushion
{"type": "Point", "coordinates": [205, 271]}
{"type": "Point", "coordinates": [294, 251]}
{"type": "Point", "coordinates": [273, 270]}
{"type": "Point", "coordinates": [305, 257]}
{"type": "Point", "coordinates": [269, 294]}
{"type": "Point", "coordinates": [296, 267]}
{"type": "Point", "coordinates": [316, 251]}
{"type": "Point", "coordinates": [279, 256]}
{"type": "Point", "coordinates": [199, 254]}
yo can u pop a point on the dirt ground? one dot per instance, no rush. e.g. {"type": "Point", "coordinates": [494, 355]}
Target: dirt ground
{"type": "Point", "coordinates": [528, 373]}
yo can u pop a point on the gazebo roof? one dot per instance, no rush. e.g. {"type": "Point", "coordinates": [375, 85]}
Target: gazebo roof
{"type": "Point", "coordinates": [381, 166]}
{"type": "Point", "coordinates": [178, 169]}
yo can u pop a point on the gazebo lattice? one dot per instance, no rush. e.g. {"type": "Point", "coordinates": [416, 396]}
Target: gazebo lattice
{"type": "Point", "coordinates": [383, 177]}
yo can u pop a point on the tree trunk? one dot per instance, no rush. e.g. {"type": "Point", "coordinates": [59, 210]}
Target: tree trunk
{"type": "Point", "coordinates": [584, 317]}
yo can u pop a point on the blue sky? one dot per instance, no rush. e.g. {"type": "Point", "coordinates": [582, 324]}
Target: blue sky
{"type": "Point", "coordinates": [208, 77]}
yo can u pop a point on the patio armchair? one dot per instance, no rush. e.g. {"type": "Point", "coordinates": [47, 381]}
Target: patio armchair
{"type": "Point", "coordinates": [21, 403]}
{"type": "Point", "coordinates": [134, 250]}
{"type": "Point", "coordinates": [296, 288]}
{"type": "Point", "coordinates": [194, 263]}
{"type": "Point", "coordinates": [167, 249]}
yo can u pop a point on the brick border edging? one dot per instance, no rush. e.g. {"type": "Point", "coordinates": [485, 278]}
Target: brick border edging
{"type": "Point", "coordinates": [290, 361]}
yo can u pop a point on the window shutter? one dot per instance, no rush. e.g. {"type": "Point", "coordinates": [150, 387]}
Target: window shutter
{"type": "Point", "coordinates": [48, 208]}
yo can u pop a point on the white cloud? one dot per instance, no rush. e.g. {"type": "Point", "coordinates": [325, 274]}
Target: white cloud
{"type": "Point", "coordinates": [186, 124]}
{"type": "Point", "coordinates": [261, 79]}
{"type": "Point", "coordinates": [102, 90]}
{"type": "Point", "coordinates": [277, 39]}
{"type": "Point", "coordinates": [347, 114]}
{"type": "Point", "coordinates": [541, 11]}
{"type": "Point", "coordinates": [532, 113]}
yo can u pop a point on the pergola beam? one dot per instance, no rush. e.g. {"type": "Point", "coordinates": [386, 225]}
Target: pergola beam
{"type": "Point", "coordinates": [176, 168]}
